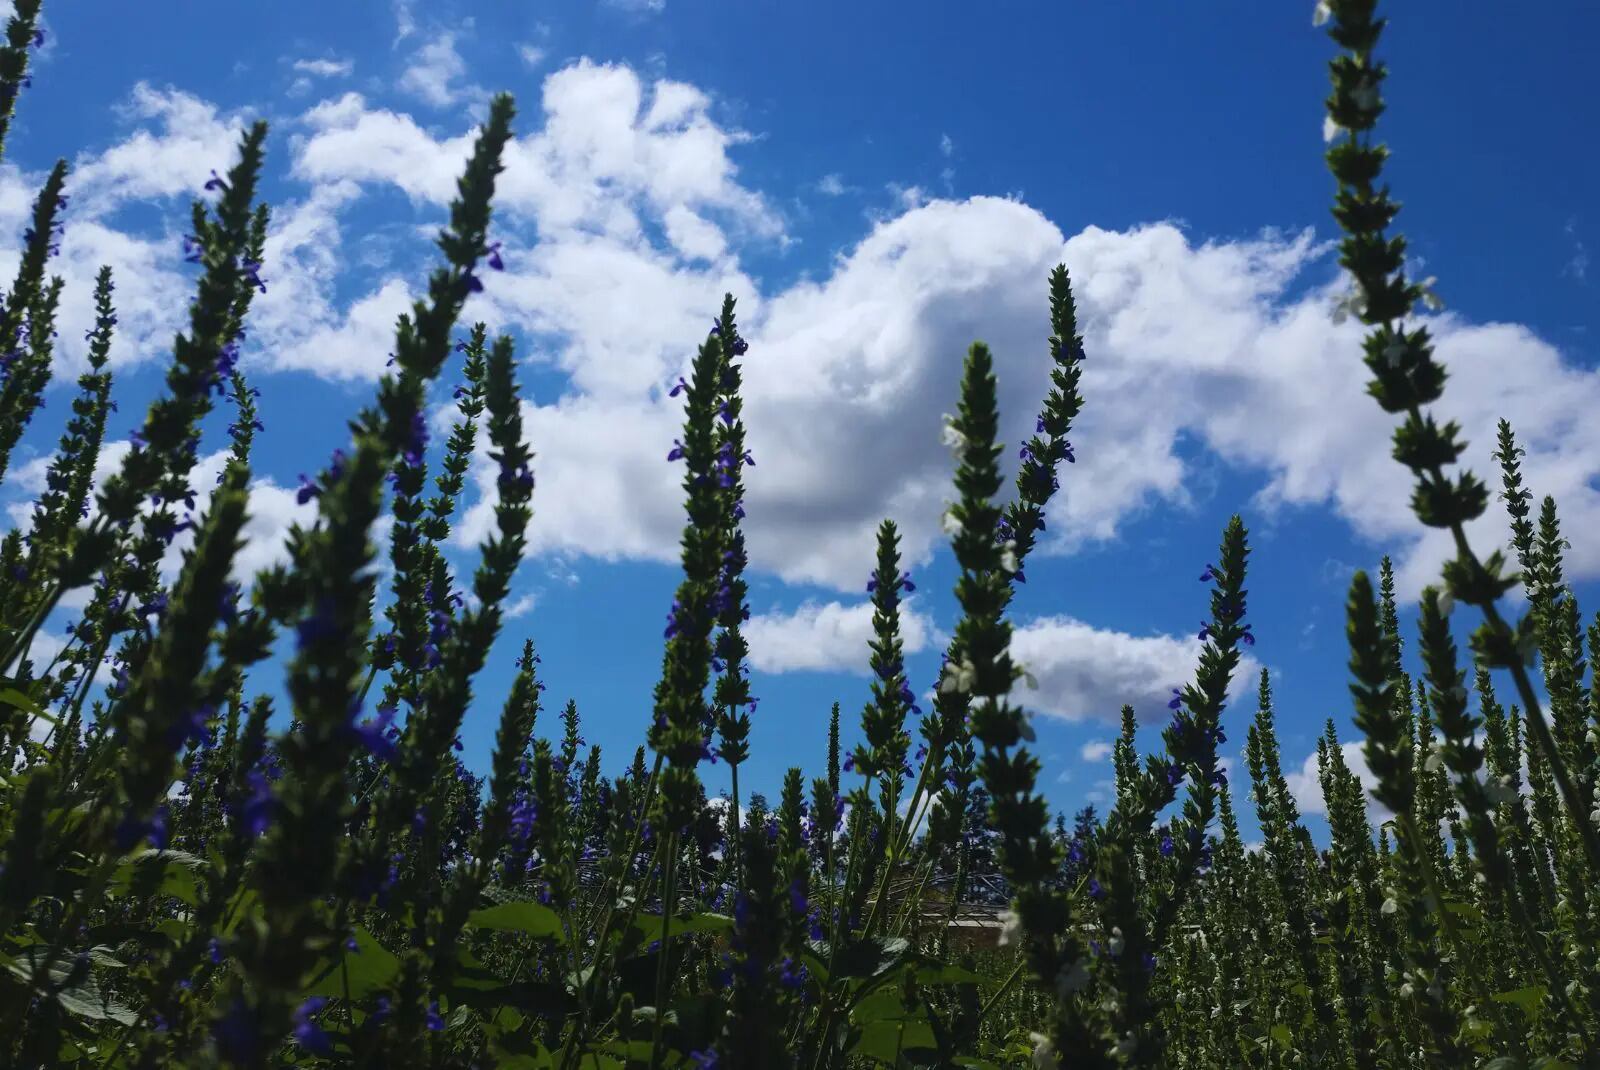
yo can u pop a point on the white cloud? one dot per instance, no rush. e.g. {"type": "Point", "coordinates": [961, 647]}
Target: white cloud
{"type": "Point", "coordinates": [1578, 264]}
{"type": "Point", "coordinates": [638, 6]}
{"type": "Point", "coordinates": [434, 70]}
{"type": "Point", "coordinates": [325, 68]}
{"type": "Point", "coordinates": [531, 55]}
{"type": "Point", "coordinates": [1307, 789]}
{"type": "Point", "coordinates": [1097, 751]}
{"type": "Point", "coordinates": [1088, 673]}
{"type": "Point", "coordinates": [405, 20]}
{"type": "Point", "coordinates": [831, 185]}
{"type": "Point", "coordinates": [357, 346]}
{"type": "Point", "coordinates": [946, 146]}
{"type": "Point", "coordinates": [1220, 344]}
{"type": "Point", "coordinates": [828, 637]}
{"type": "Point", "coordinates": [692, 236]}
{"type": "Point", "coordinates": [191, 139]}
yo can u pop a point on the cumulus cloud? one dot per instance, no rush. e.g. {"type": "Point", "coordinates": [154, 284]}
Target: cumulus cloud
{"type": "Point", "coordinates": [828, 637]}
{"type": "Point", "coordinates": [631, 190]}
{"type": "Point", "coordinates": [1307, 789]}
{"type": "Point", "coordinates": [189, 137]}
{"type": "Point", "coordinates": [1097, 751]}
{"type": "Point", "coordinates": [434, 72]}
{"type": "Point", "coordinates": [1089, 673]}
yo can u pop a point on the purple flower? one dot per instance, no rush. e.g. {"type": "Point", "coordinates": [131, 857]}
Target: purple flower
{"type": "Point", "coordinates": [320, 625]}
{"type": "Point", "coordinates": [704, 1060]}
{"type": "Point", "coordinates": [678, 389]}
{"type": "Point", "coordinates": [252, 271]}
{"type": "Point", "coordinates": [1166, 845]}
{"type": "Point", "coordinates": [435, 1023]}
{"type": "Point", "coordinates": [307, 1033]}
{"type": "Point", "coordinates": [495, 262]}
{"type": "Point", "coordinates": [259, 804]}
{"type": "Point", "coordinates": [676, 451]}
{"type": "Point", "coordinates": [374, 734]}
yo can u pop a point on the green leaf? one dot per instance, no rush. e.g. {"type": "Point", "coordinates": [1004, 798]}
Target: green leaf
{"type": "Point", "coordinates": [649, 925]}
{"type": "Point", "coordinates": [889, 1041]}
{"type": "Point", "coordinates": [884, 1005]}
{"type": "Point", "coordinates": [1529, 1000]}
{"type": "Point", "coordinates": [87, 1001]}
{"type": "Point", "coordinates": [150, 872]}
{"type": "Point", "coordinates": [367, 969]}
{"type": "Point", "coordinates": [869, 958]}
{"type": "Point", "coordinates": [12, 697]}
{"type": "Point", "coordinates": [521, 916]}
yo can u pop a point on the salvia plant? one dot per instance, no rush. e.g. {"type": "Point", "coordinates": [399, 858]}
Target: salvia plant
{"type": "Point", "coordinates": [191, 876]}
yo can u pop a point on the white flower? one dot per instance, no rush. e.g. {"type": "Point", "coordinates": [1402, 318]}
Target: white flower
{"type": "Point", "coordinates": [1390, 905]}
{"type": "Point", "coordinates": [952, 437]}
{"type": "Point", "coordinates": [1027, 678]}
{"type": "Point", "coordinates": [1330, 129]}
{"type": "Point", "coordinates": [1044, 1053]}
{"type": "Point", "coordinates": [1353, 303]}
{"type": "Point", "coordinates": [1407, 989]}
{"type": "Point", "coordinates": [1429, 298]}
{"type": "Point", "coordinates": [1116, 943]}
{"type": "Point", "coordinates": [1435, 758]}
{"type": "Point", "coordinates": [1010, 927]}
{"type": "Point", "coordinates": [1394, 351]}
{"type": "Point", "coordinates": [1321, 13]}
{"type": "Point", "coordinates": [1072, 978]}
{"type": "Point", "coordinates": [1499, 789]}
{"type": "Point", "coordinates": [958, 677]}
{"type": "Point", "coordinates": [1008, 555]}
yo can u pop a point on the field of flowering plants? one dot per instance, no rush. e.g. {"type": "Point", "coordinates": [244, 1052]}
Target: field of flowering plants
{"type": "Point", "coordinates": [184, 884]}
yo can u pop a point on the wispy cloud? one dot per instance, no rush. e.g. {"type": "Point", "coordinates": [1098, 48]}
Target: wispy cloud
{"type": "Point", "coordinates": [325, 68]}
{"type": "Point", "coordinates": [1578, 264]}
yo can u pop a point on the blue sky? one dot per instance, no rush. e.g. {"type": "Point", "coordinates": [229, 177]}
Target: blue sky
{"type": "Point", "coordinates": [876, 191]}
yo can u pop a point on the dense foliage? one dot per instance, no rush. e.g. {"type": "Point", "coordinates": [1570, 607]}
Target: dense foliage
{"type": "Point", "coordinates": [182, 885]}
